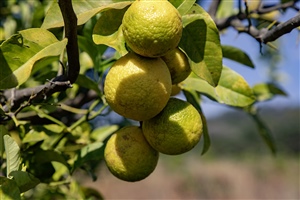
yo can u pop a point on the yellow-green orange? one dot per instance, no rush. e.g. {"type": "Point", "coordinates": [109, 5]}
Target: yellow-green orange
{"type": "Point", "coordinates": [176, 129]}
{"type": "Point", "coordinates": [178, 65]}
{"type": "Point", "coordinates": [137, 87]}
{"type": "Point", "coordinates": [129, 156]}
{"type": "Point", "coordinates": [152, 27]}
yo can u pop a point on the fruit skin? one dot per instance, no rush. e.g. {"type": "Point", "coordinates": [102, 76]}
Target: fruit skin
{"type": "Point", "coordinates": [178, 65]}
{"type": "Point", "coordinates": [128, 155]}
{"type": "Point", "coordinates": [175, 130]}
{"type": "Point", "coordinates": [137, 87]}
{"type": "Point", "coordinates": [152, 28]}
{"type": "Point", "coordinates": [176, 89]}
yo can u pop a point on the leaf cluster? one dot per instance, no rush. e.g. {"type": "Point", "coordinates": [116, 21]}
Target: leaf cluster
{"type": "Point", "coordinates": [47, 140]}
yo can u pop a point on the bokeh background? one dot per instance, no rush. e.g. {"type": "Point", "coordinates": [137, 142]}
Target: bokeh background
{"type": "Point", "coordinates": [238, 165]}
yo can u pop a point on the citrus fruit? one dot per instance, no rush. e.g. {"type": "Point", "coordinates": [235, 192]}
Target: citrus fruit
{"type": "Point", "coordinates": [129, 156]}
{"type": "Point", "coordinates": [152, 28]}
{"type": "Point", "coordinates": [137, 87]}
{"type": "Point", "coordinates": [178, 65]}
{"type": "Point", "coordinates": [175, 89]}
{"type": "Point", "coordinates": [176, 129]}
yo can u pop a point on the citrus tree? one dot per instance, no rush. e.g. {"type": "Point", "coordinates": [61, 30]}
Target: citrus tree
{"type": "Point", "coordinates": [56, 111]}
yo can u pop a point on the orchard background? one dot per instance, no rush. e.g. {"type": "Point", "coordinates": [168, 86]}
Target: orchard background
{"type": "Point", "coordinates": [54, 121]}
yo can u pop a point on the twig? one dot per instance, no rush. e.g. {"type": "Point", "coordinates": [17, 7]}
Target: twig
{"type": "Point", "coordinates": [59, 83]}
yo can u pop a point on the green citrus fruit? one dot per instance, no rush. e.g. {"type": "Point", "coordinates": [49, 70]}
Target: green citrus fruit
{"type": "Point", "coordinates": [175, 89]}
{"type": "Point", "coordinates": [178, 65]}
{"type": "Point", "coordinates": [129, 156]}
{"type": "Point", "coordinates": [137, 87]}
{"type": "Point", "coordinates": [176, 129]}
{"type": "Point", "coordinates": [152, 28]}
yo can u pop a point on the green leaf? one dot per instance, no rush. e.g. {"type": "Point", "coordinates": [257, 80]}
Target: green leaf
{"type": "Point", "coordinates": [233, 90]}
{"type": "Point", "coordinates": [266, 91]}
{"type": "Point", "coordinates": [183, 6]}
{"type": "Point", "coordinates": [237, 55]}
{"type": "Point", "coordinates": [9, 189]}
{"type": "Point", "coordinates": [193, 98]}
{"type": "Point", "coordinates": [90, 152]}
{"type": "Point", "coordinates": [88, 83]}
{"type": "Point", "coordinates": [34, 136]}
{"type": "Point", "coordinates": [12, 151]}
{"type": "Point", "coordinates": [108, 30]}
{"type": "Point", "coordinates": [47, 156]}
{"type": "Point", "coordinates": [20, 52]}
{"type": "Point", "coordinates": [101, 133]}
{"type": "Point", "coordinates": [3, 131]}
{"type": "Point", "coordinates": [225, 9]}
{"type": "Point", "coordinates": [199, 85]}
{"type": "Point", "coordinates": [84, 10]}
{"type": "Point", "coordinates": [94, 51]}
{"type": "Point", "coordinates": [24, 180]}
{"type": "Point", "coordinates": [264, 132]}
{"type": "Point", "coordinates": [201, 42]}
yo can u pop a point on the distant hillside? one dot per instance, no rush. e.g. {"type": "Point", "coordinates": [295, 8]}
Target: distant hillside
{"type": "Point", "coordinates": [235, 132]}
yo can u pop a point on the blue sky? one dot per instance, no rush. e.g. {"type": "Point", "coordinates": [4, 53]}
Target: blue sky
{"type": "Point", "coordinates": [288, 66]}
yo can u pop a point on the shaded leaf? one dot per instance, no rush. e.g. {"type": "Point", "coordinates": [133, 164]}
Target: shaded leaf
{"type": "Point", "coordinates": [84, 10]}
{"type": "Point", "coordinates": [24, 180]}
{"type": "Point", "coordinates": [88, 83]}
{"type": "Point", "coordinates": [90, 152]}
{"type": "Point", "coordinates": [9, 189]}
{"type": "Point", "coordinates": [201, 42]}
{"type": "Point", "coordinates": [20, 52]}
{"type": "Point", "coordinates": [236, 54]}
{"type": "Point", "coordinates": [12, 151]}
{"type": "Point", "coordinates": [264, 132]}
{"type": "Point", "coordinates": [47, 156]}
{"type": "Point", "coordinates": [266, 91]}
{"type": "Point", "coordinates": [108, 30]}
{"type": "Point", "coordinates": [233, 90]}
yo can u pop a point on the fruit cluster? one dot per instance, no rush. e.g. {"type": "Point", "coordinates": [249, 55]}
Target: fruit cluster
{"type": "Point", "coordinates": [139, 87]}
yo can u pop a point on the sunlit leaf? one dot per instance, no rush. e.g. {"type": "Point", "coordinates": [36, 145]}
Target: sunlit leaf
{"type": "Point", "coordinates": [225, 9]}
{"type": "Point", "coordinates": [84, 10]}
{"type": "Point", "coordinates": [101, 133]}
{"type": "Point", "coordinates": [266, 91]}
{"type": "Point", "coordinates": [24, 180]}
{"type": "Point", "coordinates": [20, 52]}
{"type": "Point", "coordinates": [183, 6]}
{"type": "Point", "coordinates": [201, 42]}
{"type": "Point", "coordinates": [3, 131]}
{"type": "Point", "coordinates": [236, 54]}
{"type": "Point", "coordinates": [12, 151]}
{"type": "Point", "coordinates": [108, 30]}
{"type": "Point", "coordinates": [9, 189]}
{"type": "Point", "coordinates": [199, 85]}
{"type": "Point", "coordinates": [233, 90]}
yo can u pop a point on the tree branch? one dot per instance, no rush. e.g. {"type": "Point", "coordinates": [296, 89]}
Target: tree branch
{"type": "Point", "coordinates": [263, 35]}
{"type": "Point", "coordinates": [212, 11]}
{"type": "Point", "coordinates": [60, 83]}
{"type": "Point", "coordinates": [281, 29]}
{"type": "Point", "coordinates": [70, 21]}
